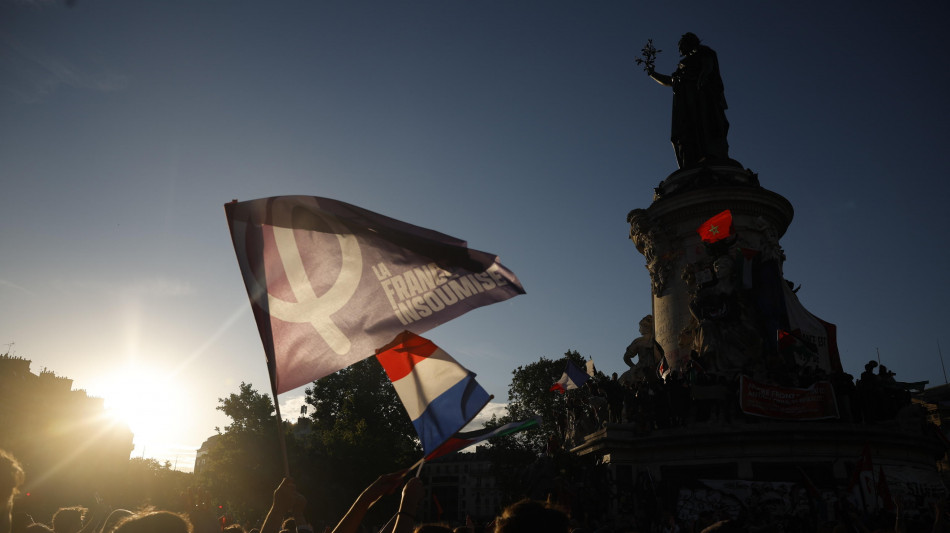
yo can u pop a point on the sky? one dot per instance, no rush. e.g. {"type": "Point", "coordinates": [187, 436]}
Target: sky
{"type": "Point", "coordinates": [523, 127]}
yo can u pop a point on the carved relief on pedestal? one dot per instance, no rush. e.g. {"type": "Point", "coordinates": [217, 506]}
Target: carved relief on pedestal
{"type": "Point", "coordinates": [768, 244]}
{"type": "Point", "coordinates": [721, 336]}
{"type": "Point", "coordinates": [654, 244]}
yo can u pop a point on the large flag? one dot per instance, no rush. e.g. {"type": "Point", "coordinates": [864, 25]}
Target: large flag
{"type": "Point", "coordinates": [820, 334]}
{"type": "Point", "coordinates": [572, 378]}
{"type": "Point", "coordinates": [439, 394]}
{"type": "Point", "coordinates": [463, 440]}
{"type": "Point", "coordinates": [330, 282]}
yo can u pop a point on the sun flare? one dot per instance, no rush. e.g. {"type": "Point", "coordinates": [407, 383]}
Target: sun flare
{"type": "Point", "coordinates": [148, 400]}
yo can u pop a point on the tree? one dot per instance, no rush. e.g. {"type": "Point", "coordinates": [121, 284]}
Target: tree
{"type": "Point", "coordinates": [149, 482]}
{"type": "Point", "coordinates": [250, 411]}
{"type": "Point", "coordinates": [244, 463]}
{"type": "Point", "coordinates": [360, 430]}
{"type": "Point", "coordinates": [529, 395]}
{"type": "Point", "coordinates": [521, 465]}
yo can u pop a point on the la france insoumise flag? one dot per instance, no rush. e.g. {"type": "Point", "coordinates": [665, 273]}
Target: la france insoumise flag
{"type": "Point", "coordinates": [330, 282]}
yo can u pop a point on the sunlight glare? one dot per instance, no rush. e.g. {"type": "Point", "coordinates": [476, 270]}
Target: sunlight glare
{"type": "Point", "coordinates": [149, 401]}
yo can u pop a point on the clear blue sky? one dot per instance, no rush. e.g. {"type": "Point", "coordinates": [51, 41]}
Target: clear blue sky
{"type": "Point", "coordinates": [524, 127]}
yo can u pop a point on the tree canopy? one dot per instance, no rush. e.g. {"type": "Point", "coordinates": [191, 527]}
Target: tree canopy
{"type": "Point", "coordinates": [358, 417]}
{"type": "Point", "coordinates": [250, 411]}
{"type": "Point", "coordinates": [529, 395]}
{"type": "Point", "coordinates": [244, 463]}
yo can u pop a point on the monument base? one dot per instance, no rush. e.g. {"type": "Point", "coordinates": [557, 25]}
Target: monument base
{"type": "Point", "coordinates": [730, 469]}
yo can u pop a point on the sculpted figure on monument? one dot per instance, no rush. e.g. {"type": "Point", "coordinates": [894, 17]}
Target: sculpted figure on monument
{"type": "Point", "coordinates": [722, 335]}
{"type": "Point", "coordinates": [641, 349]}
{"type": "Point", "coordinates": [699, 125]}
{"type": "Point", "coordinates": [769, 246]}
{"type": "Point", "coordinates": [647, 237]}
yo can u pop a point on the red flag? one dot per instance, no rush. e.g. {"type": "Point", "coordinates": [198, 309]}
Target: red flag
{"type": "Point", "coordinates": [330, 282]}
{"type": "Point", "coordinates": [716, 228]}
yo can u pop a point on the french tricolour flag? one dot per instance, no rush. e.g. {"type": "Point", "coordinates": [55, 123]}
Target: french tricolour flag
{"type": "Point", "coordinates": [572, 378]}
{"type": "Point", "coordinates": [440, 395]}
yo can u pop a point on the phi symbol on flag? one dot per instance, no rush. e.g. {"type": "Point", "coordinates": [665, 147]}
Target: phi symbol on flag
{"type": "Point", "coordinates": [310, 308]}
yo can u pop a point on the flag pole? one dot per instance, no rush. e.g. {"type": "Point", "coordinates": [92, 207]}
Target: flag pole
{"type": "Point", "coordinates": [268, 354]}
{"type": "Point", "coordinates": [267, 340]}
{"type": "Point", "coordinates": [280, 425]}
{"type": "Point", "coordinates": [940, 353]}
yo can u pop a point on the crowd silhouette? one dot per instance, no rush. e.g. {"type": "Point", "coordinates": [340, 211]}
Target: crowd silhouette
{"type": "Point", "coordinates": [692, 396]}
{"type": "Point", "coordinates": [648, 402]}
{"type": "Point", "coordinates": [287, 514]}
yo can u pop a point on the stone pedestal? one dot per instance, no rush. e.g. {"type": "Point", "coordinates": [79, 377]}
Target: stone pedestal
{"type": "Point", "coordinates": [764, 457]}
{"type": "Point", "coordinates": [666, 233]}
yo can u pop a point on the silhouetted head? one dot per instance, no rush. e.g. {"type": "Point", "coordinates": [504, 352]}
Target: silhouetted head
{"type": "Point", "coordinates": [289, 524]}
{"type": "Point", "coordinates": [688, 43]}
{"type": "Point", "coordinates": [68, 519]}
{"type": "Point", "coordinates": [114, 517]}
{"type": "Point", "coordinates": [432, 528]}
{"type": "Point", "coordinates": [528, 516]}
{"type": "Point", "coordinates": [154, 522]}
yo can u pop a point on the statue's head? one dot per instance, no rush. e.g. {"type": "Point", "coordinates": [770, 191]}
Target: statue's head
{"type": "Point", "coordinates": [646, 325]}
{"type": "Point", "coordinates": [688, 43]}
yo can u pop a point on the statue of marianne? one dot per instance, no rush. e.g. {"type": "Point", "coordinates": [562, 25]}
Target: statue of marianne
{"type": "Point", "coordinates": [699, 124]}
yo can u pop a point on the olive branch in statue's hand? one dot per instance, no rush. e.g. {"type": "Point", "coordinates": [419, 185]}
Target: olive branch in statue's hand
{"type": "Point", "coordinates": [648, 57]}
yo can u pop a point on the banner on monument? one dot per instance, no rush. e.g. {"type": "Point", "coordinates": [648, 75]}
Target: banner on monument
{"type": "Point", "coordinates": [773, 401]}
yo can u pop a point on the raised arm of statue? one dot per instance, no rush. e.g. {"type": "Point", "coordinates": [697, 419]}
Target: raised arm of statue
{"type": "Point", "coordinates": [662, 79]}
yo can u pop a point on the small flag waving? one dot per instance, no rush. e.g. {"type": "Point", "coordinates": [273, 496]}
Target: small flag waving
{"type": "Point", "coordinates": [716, 228]}
{"type": "Point", "coordinates": [463, 440]}
{"type": "Point", "coordinates": [439, 394]}
{"type": "Point", "coordinates": [572, 378]}
{"type": "Point", "coordinates": [330, 282]}
{"type": "Point", "coordinates": [591, 369]}
{"type": "Point", "coordinates": [862, 483]}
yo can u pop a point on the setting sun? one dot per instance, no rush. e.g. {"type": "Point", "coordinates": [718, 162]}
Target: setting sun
{"type": "Point", "coordinates": [147, 399]}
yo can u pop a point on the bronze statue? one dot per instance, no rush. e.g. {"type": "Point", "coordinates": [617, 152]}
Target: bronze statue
{"type": "Point", "coordinates": [699, 124]}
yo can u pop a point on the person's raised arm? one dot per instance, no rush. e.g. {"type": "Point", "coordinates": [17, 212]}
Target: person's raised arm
{"type": "Point", "coordinates": [408, 506]}
{"type": "Point", "coordinates": [285, 495]}
{"type": "Point", "coordinates": [385, 484]}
